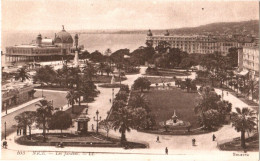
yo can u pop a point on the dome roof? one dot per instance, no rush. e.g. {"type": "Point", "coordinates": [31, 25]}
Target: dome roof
{"type": "Point", "coordinates": [63, 37]}
{"type": "Point", "coordinates": [149, 33]}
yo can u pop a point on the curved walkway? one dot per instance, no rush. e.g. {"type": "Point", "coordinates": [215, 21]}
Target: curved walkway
{"type": "Point", "coordinates": [176, 144]}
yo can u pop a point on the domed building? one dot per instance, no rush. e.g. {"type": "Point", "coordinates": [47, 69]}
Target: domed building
{"type": "Point", "coordinates": [149, 33]}
{"type": "Point", "coordinates": [64, 40]}
{"type": "Point", "coordinates": [45, 49]}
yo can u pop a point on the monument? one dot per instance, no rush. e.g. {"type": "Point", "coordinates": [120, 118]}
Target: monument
{"type": "Point", "coordinates": [76, 58]}
{"type": "Point", "coordinates": [113, 79]}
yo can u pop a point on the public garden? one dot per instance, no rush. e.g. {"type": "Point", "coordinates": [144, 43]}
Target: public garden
{"type": "Point", "coordinates": [132, 110]}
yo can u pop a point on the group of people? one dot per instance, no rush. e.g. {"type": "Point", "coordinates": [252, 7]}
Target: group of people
{"type": "Point", "coordinates": [193, 142]}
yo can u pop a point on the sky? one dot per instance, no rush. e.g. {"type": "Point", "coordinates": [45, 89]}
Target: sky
{"type": "Point", "coordinates": [20, 15]}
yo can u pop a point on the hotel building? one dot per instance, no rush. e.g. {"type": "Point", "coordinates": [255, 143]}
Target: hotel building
{"type": "Point", "coordinates": [201, 44]}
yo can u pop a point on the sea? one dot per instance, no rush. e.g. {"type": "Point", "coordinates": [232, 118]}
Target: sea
{"type": "Point", "coordinates": [91, 42]}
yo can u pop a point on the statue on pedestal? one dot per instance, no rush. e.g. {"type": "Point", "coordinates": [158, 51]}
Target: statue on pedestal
{"type": "Point", "coordinates": [113, 79]}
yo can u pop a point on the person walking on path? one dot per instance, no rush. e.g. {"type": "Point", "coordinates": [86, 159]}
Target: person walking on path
{"type": "Point", "coordinates": [158, 139]}
{"type": "Point", "coordinates": [213, 137]}
{"type": "Point", "coordinates": [92, 127]}
{"type": "Point", "coordinates": [17, 131]}
{"type": "Point", "coordinates": [5, 144]}
{"type": "Point", "coordinates": [166, 151]}
{"type": "Point", "coordinates": [193, 142]}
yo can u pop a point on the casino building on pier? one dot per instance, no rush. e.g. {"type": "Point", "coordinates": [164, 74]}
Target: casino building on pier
{"type": "Point", "coordinates": [43, 49]}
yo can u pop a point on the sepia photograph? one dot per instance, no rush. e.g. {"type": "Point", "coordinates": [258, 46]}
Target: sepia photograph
{"type": "Point", "coordinates": [130, 80]}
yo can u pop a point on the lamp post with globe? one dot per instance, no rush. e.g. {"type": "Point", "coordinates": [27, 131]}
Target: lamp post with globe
{"type": "Point", "coordinates": [97, 120]}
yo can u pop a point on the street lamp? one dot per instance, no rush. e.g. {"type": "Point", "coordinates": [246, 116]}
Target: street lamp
{"type": "Point", "coordinates": [97, 119]}
{"type": "Point", "coordinates": [5, 130]}
{"type": "Point", "coordinates": [112, 96]}
{"type": "Point", "coordinates": [42, 89]}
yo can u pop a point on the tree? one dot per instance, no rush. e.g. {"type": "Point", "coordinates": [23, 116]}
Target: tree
{"type": "Point", "coordinates": [74, 77]}
{"type": "Point", "coordinates": [139, 100]}
{"type": "Point", "coordinates": [243, 120]}
{"type": "Point", "coordinates": [22, 74]}
{"type": "Point", "coordinates": [224, 108]}
{"type": "Point", "coordinates": [72, 98]}
{"type": "Point", "coordinates": [106, 125]}
{"type": "Point", "coordinates": [101, 67]}
{"type": "Point", "coordinates": [89, 72]}
{"type": "Point", "coordinates": [43, 114]}
{"type": "Point", "coordinates": [85, 54]}
{"type": "Point", "coordinates": [108, 70]}
{"type": "Point", "coordinates": [142, 83]}
{"type": "Point", "coordinates": [186, 63]}
{"type": "Point", "coordinates": [162, 46]}
{"type": "Point", "coordinates": [118, 104]}
{"type": "Point", "coordinates": [122, 95]}
{"type": "Point", "coordinates": [24, 119]}
{"type": "Point", "coordinates": [96, 56]}
{"type": "Point", "coordinates": [123, 121]}
{"type": "Point", "coordinates": [45, 74]}
{"type": "Point", "coordinates": [209, 119]}
{"type": "Point", "coordinates": [60, 120]}
{"type": "Point", "coordinates": [209, 100]}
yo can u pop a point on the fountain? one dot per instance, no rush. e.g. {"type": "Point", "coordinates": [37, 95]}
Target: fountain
{"type": "Point", "coordinates": [174, 121]}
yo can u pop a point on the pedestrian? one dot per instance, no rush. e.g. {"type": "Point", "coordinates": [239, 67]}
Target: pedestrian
{"type": "Point", "coordinates": [213, 137]}
{"type": "Point", "coordinates": [17, 131]}
{"type": "Point", "coordinates": [20, 131]}
{"type": "Point", "coordinates": [227, 93]}
{"type": "Point", "coordinates": [193, 142]}
{"type": "Point", "coordinates": [158, 139]}
{"type": "Point", "coordinates": [166, 151]}
{"type": "Point", "coordinates": [5, 144]}
{"type": "Point", "coordinates": [92, 126]}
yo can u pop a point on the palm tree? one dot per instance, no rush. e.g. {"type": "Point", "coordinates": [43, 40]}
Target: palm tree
{"type": "Point", "coordinates": [71, 97]}
{"type": "Point", "coordinates": [74, 77]}
{"type": "Point", "coordinates": [25, 119]}
{"type": "Point", "coordinates": [243, 121]}
{"type": "Point", "coordinates": [43, 113]}
{"type": "Point", "coordinates": [139, 100]}
{"type": "Point", "coordinates": [123, 121]}
{"type": "Point", "coordinates": [22, 74]}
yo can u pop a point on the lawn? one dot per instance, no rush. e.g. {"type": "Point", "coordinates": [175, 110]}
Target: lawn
{"type": "Point", "coordinates": [106, 79]}
{"type": "Point", "coordinates": [252, 144]}
{"type": "Point", "coordinates": [164, 102]}
{"type": "Point", "coordinates": [171, 72]}
{"type": "Point", "coordinates": [159, 80]}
